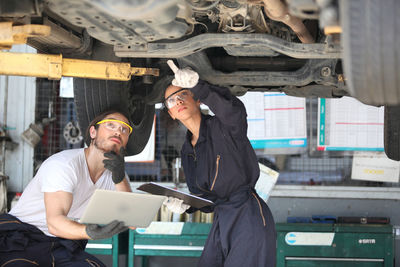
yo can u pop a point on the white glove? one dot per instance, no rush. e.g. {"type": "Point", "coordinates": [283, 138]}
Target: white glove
{"type": "Point", "coordinates": [185, 78]}
{"type": "Point", "coordinates": [175, 205]}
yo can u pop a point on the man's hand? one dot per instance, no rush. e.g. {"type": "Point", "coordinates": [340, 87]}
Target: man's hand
{"type": "Point", "coordinates": [95, 231]}
{"type": "Point", "coordinates": [116, 164]}
{"type": "Point", "coordinates": [175, 205]}
{"type": "Point", "coordinates": [185, 78]}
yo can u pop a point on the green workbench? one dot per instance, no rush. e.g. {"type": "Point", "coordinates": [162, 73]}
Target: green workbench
{"type": "Point", "coordinates": [111, 246]}
{"type": "Point", "coordinates": [334, 245]}
{"type": "Point", "coordinates": [189, 243]}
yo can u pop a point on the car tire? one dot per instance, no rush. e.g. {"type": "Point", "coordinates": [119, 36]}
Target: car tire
{"type": "Point", "coordinates": [392, 132]}
{"type": "Point", "coordinates": [370, 40]}
{"type": "Point", "coordinates": [95, 96]}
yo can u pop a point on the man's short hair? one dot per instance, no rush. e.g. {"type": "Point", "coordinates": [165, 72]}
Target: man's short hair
{"type": "Point", "coordinates": [100, 117]}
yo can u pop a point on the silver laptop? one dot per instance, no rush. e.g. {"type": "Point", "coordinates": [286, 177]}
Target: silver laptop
{"type": "Point", "coordinates": [134, 209]}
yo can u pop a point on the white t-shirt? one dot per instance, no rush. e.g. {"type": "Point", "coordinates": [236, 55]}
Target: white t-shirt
{"type": "Point", "coordinates": [65, 171]}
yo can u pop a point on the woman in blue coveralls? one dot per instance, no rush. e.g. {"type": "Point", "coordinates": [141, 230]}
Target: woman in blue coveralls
{"type": "Point", "coordinates": [220, 165]}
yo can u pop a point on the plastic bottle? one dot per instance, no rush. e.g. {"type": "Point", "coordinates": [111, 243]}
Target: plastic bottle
{"type": "Point", "coordinates": [15, 199]}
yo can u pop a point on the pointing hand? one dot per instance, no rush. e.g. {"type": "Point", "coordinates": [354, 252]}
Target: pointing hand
{"type": "Point", "coordinates": [185, 78]}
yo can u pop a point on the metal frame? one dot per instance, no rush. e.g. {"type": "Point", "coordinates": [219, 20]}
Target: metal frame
{"type": "Point", "coordinates": [310, 72]}
{"type": "Point", "coordinates": [259, 41]}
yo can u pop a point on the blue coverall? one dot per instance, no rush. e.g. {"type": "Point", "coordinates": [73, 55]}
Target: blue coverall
{"type": "Point", "coordinates": [223, 167]}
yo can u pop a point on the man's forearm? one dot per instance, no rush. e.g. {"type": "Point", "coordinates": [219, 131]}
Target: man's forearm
{"type": "Point", "coordinates": [61, 226]}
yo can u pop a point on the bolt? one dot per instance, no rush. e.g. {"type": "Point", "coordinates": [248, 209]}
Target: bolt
{"type": "Point", "coordinates": [325, 71]}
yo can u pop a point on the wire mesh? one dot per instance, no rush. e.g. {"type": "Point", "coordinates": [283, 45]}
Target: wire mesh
{"type": "Point", "coordinates": [54, 112]}
{"type": "Point", "coordinates": [310, 167]}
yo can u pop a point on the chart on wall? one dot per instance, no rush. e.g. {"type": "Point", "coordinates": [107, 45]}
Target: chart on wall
{"type": "Point", "coordinates": [275, 120]}
{"type": "Point", "coordinates": [347, 124]}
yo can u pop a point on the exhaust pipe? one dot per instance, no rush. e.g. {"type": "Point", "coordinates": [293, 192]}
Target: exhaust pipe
{"type": "Point", "coordinates": [277, 10]}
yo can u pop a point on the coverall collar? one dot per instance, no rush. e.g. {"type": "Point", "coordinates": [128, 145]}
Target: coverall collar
{"type": "Point", "coordinates": [202, 132]}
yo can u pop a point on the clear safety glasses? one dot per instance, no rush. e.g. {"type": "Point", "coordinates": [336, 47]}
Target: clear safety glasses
{"type": "Point", "coordinates": [180, 95]}
{"type": "Point", "coordinates": [114, 125]}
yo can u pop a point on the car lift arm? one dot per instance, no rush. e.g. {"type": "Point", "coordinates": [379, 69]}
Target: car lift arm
{"type": "Point", "coordinates": [55, 66]}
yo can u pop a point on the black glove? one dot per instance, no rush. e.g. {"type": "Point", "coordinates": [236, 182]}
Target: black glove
{"type": "Point", "coordinates": [116, 164]}
{"type": "Point", "coordinates": [95, 231]}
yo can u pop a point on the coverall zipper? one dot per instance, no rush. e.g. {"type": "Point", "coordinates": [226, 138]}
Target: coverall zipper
{"type": "Point", "coordinates": [52, 256]}
{"type": "Point", "coordinates": [259, 205]}
{"type": "Point", "coordinates": [216, 172]}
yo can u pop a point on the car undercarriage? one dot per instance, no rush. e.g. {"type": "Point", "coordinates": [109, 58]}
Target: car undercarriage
{"type": "Point", "coordinates": [304, 48]}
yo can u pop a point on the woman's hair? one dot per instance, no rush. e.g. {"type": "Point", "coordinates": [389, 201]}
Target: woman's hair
{"type": "Point", "coordinates": [100, 117]}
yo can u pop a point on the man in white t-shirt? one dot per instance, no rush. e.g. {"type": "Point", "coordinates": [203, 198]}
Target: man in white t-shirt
{"type": "Point", "coordinates": [40, 229]}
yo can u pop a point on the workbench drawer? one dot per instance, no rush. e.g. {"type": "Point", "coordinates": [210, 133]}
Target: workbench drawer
{"type": "Point", "coordinates": [334, 245]}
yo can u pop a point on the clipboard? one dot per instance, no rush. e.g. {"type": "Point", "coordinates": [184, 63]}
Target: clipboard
{"type": "Point", "coordinates": [191, 200]}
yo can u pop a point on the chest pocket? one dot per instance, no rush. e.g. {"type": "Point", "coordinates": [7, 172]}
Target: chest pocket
{"type": "Point", "coordinates": [216, 172]}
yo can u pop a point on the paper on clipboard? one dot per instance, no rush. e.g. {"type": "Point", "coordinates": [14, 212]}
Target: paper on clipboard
{"type": "Point", "coordinates": [266, 181]}
{"type": "Point", "coordinates": [191, 200]}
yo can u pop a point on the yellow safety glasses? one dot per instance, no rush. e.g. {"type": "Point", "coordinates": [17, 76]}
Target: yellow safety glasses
{"type": "Point", "coordinates": [113, 125]}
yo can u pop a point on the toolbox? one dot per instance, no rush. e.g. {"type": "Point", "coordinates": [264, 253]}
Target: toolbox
{"type": "Point", "coordinates": [334, 245]}
{"type": "Point", "coordinates": [188, 243]}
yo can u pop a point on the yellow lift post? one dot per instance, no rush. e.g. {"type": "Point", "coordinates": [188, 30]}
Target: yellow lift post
{"type": "Point", "coordinates": [55, 66]}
